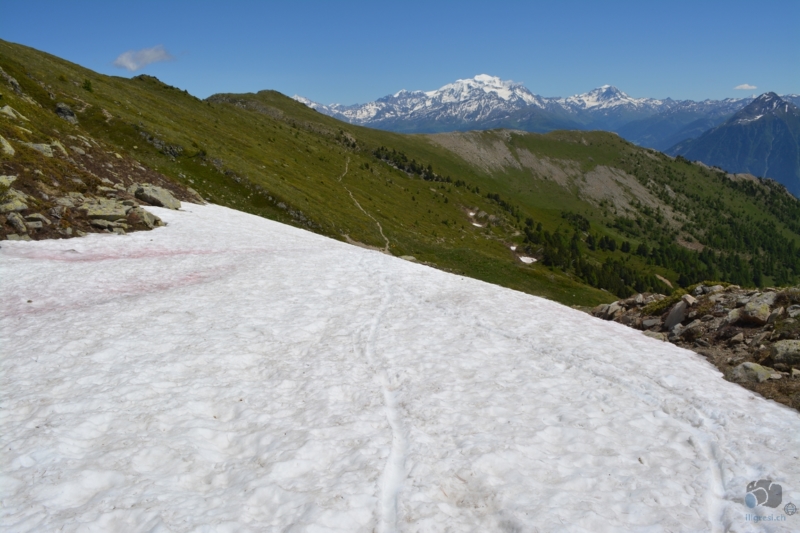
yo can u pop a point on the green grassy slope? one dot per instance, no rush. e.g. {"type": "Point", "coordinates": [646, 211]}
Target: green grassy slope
{"type": "Point", "coordinates": [269, 155]}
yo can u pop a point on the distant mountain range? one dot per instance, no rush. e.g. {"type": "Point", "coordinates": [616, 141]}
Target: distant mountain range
{"type": "Point", "coordinates": [762, 139]}
{"type": "Point", "coordinates": [486, 102]}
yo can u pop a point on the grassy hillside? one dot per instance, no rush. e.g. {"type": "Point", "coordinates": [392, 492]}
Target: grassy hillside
{"type": "Point", "coordinates": [596, 211]}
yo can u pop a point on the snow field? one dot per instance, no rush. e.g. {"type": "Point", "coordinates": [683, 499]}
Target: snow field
{"type": "Point", "coordinates": [229, 373]}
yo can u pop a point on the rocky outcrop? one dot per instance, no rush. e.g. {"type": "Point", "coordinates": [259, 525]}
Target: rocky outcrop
{"type": "Point", "coordinates": [65, 112]}
{"type": "Point", "coordinates": [752, 336]}
{"type": "Point", "coordinates": [76, 214]}
{"type": "Point", "coordinates": [155, 196]}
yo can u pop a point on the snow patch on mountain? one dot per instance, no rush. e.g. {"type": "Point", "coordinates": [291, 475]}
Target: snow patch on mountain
{"type": "Point", "coordinates": [229, 373]}
{"type": "Point", "coordinates": [607, 97]}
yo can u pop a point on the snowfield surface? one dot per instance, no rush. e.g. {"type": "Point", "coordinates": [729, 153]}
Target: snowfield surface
{"type": "Point", "coordinates": [228, 373]}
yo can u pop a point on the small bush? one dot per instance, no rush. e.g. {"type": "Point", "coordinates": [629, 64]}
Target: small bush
{"type": "Point", "coordinates": [87, 85]}
{"type": "Point", "coordinates": [656, 308]}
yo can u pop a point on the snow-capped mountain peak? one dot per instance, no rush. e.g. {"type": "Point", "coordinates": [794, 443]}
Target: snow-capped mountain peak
{"type": "Point", "coordinates": [481, 86]}
{"type": "Point", "coordinates": [766, 105]}
{"type": "Point", "coordinates": [605, 97]}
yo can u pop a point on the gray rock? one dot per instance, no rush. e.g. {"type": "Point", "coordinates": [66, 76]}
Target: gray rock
{"type": "Point", "coordinates": [17, 222]}
{"type": "Point", "coordinates": [715, 289]}
{"type": "Point", "coordinates": [786, 352]}
{"type": "Point", "coordinates": [13, 201]}
{"type": "Point", "coordinates": [6, 147]}
{"type": "Point", "coordinates": [793, 311]}
{"type": "Point", "coordinates": [655, 335]}
{"type": "Point", "coordinates": [78, 150]}
{"type": "Point", "coordinates": [105, 209]}
{"type": "Point", "coordinates": [107, 224]}
{"type": "Point", "coordinates": [759, 338]}
{"type": "Point", "coordinates": [737, 339]}
{"type": "Point", "coordinates": [156, 196]}
{"type": "Point", "coordinates": [699, 290]}
{"type": "Point", "coordinates": [755, 312]}
{"type": "Point", "coordinates": [795, 373]}
{"type": "Point", "coordinates": [651, 322]}
{"type": "Point", "coordinates": [750, 372]}
{"type": "Point", "coordinates": [141, 217]}
{"type": "Point", "coordinates": [767, 298]}
{"type": "Point", "coordinates": [34, 225]}
{"type": "Point", "coordinates": [65, 112]}
{"type": "Point", "coordinates": [44, 149]}
{"type": "Point", "coordinates": [689, 299]}
{"type": "Point", "coordinates": [58, 211]}
{"type": "Point", "coordinates": [774, 315]}
{"type": "Point", "coordinates": [693, 331]}
{"type": "Point", "coordinates": [600, 310]}
{"type": "Point", "coordinates": [38, 217]}
{"type": "Point", "coordinates": [639, 299]}
{"type": "Point", "coordinates": [613, 310]}
{"type": "Point", "coordinates": [733, 317]}
{"type": "Point", "coordinates": [676, 315]}
{"type": "Point", "coordinates": [10, 112]}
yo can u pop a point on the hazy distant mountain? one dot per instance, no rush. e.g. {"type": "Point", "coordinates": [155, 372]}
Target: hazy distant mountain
{"type": "Point", "coordinates": [684, 120]}
{"type": "Point", "coordinates": [762, 139]}
{"type": "Point", "coordinates": [486, 102]}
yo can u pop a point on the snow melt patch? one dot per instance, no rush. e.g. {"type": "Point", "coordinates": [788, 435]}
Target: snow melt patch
{"type": "Point", "coordinates": [527, 260]}
{"type": "Point", "coordinates": [229, 373]}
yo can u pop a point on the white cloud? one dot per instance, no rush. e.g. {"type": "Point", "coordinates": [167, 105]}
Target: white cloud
{"type": "Point", "coordinates": [745, 87]}
{"type": "Point", "coordinates": [137, 59]}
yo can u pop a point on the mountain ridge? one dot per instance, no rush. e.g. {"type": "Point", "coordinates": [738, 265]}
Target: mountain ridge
{"type": "Point", "coordinates": [575, 216]}
{"type": "Point", "coordinates": [763, 139]}
{"type": "Point", "coordinates": [485, 100]}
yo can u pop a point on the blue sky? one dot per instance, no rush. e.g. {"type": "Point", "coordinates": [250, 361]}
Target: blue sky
{"type": "Point", "coordinates": [349, 52]}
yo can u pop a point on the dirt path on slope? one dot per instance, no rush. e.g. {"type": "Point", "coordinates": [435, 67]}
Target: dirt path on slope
{"type": "Point", "coordinates": [380, 228]}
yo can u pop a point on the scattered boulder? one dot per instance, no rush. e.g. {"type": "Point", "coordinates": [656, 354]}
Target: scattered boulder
{"type": "Point", "coordinates": [750, 372]}
{"type": "Point", "coordinates": [763, 330]}
{"type": "Point", "coordinates": [38, 217]}
{"type": "Point", "coordinates": [693, 331]}
{"type": "Point", "coordinates": [17, 222]}
{"type": "Point", "coordinates": [656, 335]}
{"type": "Point", "coordinates": [774, 315]}
{"type": "Point", "coordinates": [786, 352]}
{"type": "Point", "coordinates": [601, 310]}
{"type": "Point", "coordinates": [737, 339]}
{"type": "Point", "coordinates": [733, 316]}
{"type": "Point", "coordinates": [755, 312]}
{"type": "Point", "coordinates": [651, 322]}
{"type": "Point", "coordinates": [45, 149]}
{"type": "Point", "coordinates": [110, 210]}
{"type": "Point", "coordinates": [138, 217]}
{"type": "Point", "coordinates": [676, 315]}
{"type": "Point", "coordinates": [155, 196]}
{"type": "Point", "coordinates": [13, 201]}
{"type": "Point", "coordinates": [10, 112]}
{"type": "Point", "coordinates": [6, 147]}
{"type": "Point", "coordinates": [65, 112]}
{"type": "Point", "coordinates": [107, 224]}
